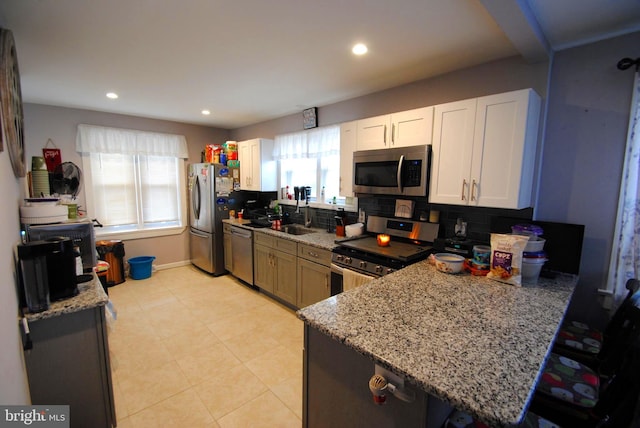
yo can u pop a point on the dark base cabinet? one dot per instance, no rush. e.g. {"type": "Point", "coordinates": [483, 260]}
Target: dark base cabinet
{"type": "Point", "coordinates": [69, 365]}
{"type": "Point", "coordinates": [336, 391]}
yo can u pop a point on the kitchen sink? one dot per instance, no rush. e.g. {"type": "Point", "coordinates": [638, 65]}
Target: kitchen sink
{"type": "Point", "coordinates": [296, 230]}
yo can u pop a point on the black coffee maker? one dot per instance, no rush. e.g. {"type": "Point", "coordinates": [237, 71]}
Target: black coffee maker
{"type": "Point", "coordinates": [47, 271]}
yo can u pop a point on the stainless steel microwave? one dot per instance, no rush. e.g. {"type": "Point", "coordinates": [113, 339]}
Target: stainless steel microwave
{"type": "Point", "coordinates": [401, 171]}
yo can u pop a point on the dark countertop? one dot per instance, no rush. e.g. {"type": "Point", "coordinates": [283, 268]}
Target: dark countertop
{"type": "Point", "coordinates": [475, 343]}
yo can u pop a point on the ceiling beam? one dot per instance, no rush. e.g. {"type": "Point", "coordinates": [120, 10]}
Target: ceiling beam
{"type": "Point", "coordinates": [521, 27]}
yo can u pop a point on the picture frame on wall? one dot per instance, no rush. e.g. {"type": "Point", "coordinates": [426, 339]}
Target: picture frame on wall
{"type": "Point", "coordinates": [310, 118]}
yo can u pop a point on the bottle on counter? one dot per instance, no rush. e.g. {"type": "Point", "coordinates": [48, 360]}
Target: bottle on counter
{"type": "Point", "coordinates": [322, 195]}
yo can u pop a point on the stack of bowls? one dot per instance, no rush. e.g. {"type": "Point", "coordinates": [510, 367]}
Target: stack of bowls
{"type": "Point", "coordinates": [533, 257]}
{"type": "Point", "coordinates": [479, 265]}
{"type": "Point", "coordinates": [39, 177]}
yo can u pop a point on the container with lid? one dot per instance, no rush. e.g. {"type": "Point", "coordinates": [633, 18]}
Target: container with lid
{"type": "Point", "coordinates": [532, 263]}
{"type": "Point", "coordinates": [527, 229]}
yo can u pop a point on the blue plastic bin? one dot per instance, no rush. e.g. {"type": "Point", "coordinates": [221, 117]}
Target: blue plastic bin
{"type": "Point", "coordinates": [140, 267]}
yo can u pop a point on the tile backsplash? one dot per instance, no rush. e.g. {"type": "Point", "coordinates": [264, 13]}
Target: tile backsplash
{"type": "Point", "coordinates": [478, 219]}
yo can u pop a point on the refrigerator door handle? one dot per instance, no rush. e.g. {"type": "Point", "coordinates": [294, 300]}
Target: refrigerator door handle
{"type": "Point", "coordinates": [195, 198]}
{"type": "Point", "coordinates": [200, 234]}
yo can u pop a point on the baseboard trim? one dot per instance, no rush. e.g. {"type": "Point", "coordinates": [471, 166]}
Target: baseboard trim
{"type": "Point", "coordinates": [172, 265]}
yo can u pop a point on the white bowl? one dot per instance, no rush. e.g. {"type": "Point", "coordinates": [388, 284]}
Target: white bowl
{"type": "Point", "coordinates": [449, 263]}
{"type": "Point", "coordinates": [534, 244]}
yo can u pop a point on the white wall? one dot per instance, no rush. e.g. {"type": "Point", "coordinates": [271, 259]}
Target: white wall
{"type": "Point", "coordinates": [13, 382]}
{"type": "Point", "coordinates": [60, 125]}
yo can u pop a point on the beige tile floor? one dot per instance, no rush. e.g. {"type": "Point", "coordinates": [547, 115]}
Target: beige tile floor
{"type": "Point", "coordinates": [191, 350]}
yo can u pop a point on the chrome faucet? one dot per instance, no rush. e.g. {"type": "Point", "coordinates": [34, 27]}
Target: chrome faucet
{"type": "Point", "coordinates": [307, 216]}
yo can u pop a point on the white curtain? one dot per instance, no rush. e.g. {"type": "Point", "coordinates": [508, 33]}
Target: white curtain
{"type": "Point", "coordinates": [99, 139]}
{"type": "Point", "coordinates": [315, 143]}
{"type": "Point", "coordinates": [625, 253]}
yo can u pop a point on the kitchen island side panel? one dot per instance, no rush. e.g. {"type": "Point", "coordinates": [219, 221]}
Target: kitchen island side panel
{"type": "Point", "coordinates": [336, 391]}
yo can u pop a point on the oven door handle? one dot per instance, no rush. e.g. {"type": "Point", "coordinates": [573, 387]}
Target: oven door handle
{"type": "Point", "coordinates": [399, 174]}
{"type": "Point", "coordinates": [336, 269]}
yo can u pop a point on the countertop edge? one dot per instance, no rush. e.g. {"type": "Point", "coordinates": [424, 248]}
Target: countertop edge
{"type": "Point", "coordinates": [90, 295]}
{"type": "Point", "coordinates": [320, 238]}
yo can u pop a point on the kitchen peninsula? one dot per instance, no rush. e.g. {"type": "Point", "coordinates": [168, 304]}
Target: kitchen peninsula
{"type": "Point", "coordinates": [459, 341]}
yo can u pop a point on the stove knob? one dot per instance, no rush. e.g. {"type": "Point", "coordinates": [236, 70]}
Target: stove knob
{"type": "Point", "coordinates": [363, 265]}
{"type": "Point", "coordinates": [339, 258]}
{"type": "Point", "coordinates": [378, 269]}
{"type": "Point", "coordinates": [389, 270]}
{"type": "Point", "coordinates": [347, 260]}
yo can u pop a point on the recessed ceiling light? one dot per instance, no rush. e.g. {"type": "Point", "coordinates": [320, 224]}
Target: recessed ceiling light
{"type": "Point", "coordinates": [359, 49]}
{"type": "Point", "coordinates": [112, 95]}
{"type": "Point", "coordinates": [206, 112]}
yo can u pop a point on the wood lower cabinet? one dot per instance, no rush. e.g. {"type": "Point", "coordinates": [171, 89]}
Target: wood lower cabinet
{"type": "Point", "coordinates": [263, 269]}
{"type": "Point", "coordinates": [314, 275]}
{"type": "Point", "coordinates": [274, 266]}
{"type": "Point", "coordinates": [285, 285]}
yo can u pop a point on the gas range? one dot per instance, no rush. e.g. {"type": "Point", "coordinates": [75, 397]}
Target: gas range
{"type": "Point", "coordinates": [410, 243]}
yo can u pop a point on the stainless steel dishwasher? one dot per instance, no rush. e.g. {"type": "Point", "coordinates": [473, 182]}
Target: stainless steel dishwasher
{"type": "Point", "coordinates": [242, 254]}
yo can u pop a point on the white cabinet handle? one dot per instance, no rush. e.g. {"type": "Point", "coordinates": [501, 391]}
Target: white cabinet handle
{"type": "Point", "coordinates": [474, 186]}
{"type": "Point", "coordinates": [393, 134]}
{"type": "Point", "coordinates": [464, 184]}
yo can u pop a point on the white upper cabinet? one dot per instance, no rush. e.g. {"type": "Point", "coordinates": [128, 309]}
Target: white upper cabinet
{"type": "Point", "coordinates": [257, 166]}
{"type": "Point", "coordinates": [347, 147]}
{"type": "Point", "coordinates": [452, 151]}
{"type": "Point", "coordinates": [407, 128]}
{"type": "Point", "coordinates": [484, 151]}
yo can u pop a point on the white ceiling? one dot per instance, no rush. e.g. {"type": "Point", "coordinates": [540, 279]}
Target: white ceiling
{"type": "Point", "coordinates": [252, 60]}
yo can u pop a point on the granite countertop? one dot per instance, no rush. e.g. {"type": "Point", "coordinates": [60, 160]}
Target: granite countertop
{"type": "Point", "coordinates": [473, 342]}
{"type": "Point", "coordinates": [91, 294]}
{"type": "Point", "coordinates": [320, 238]}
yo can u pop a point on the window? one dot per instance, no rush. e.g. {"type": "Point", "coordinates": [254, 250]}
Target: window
{"type": "Point", "coordinates": [311, 158]}
{"type": "Point", "coordinates": [134, 180]}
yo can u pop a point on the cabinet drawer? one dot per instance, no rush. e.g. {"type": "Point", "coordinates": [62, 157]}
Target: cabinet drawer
{"type": "Point", "coordinates": [286, 246]}
{"type": "Point", "coordinates": [264, 239]}
{"type": "Point", "coordinates": [315, 254]}
{"type": "Point", "coordinates": [226, 228]}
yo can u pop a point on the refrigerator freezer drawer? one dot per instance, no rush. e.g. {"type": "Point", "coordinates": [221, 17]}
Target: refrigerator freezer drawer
{"type": "Point", "coordinates": [201, 249]}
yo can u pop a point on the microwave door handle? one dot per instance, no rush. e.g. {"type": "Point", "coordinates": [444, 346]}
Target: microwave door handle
{"type": "Point", "coordinates": [399, 176]}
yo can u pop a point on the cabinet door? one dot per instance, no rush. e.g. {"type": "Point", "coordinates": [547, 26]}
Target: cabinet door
{"type": "Point", "coordinates": [313, 283]}
{"type": "Point", "coordinates": [228, 265]}
{"type": "Point", "coordinates": [373, 133]}
{"type": "Point", "coordinates": [504, 150]}
{"type": "Point", "coordinates": [285, 285]}
{"type": "Point", "coordinates": [246, 164]}
{"type": "Point", "coordinates": [347, 147]}
{"type": "Point", "coordinates": [254, 174]}
{"type": "Point", "coordinates": [263, 267]}
{"type": "Point", "coordinates": [452, 152]}
{"type": "Point", "coordinates": [412, 127]}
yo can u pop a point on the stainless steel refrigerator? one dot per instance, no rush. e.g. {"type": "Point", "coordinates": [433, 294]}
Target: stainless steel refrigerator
{"type": "Point", "coordinates": [210, 187]}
